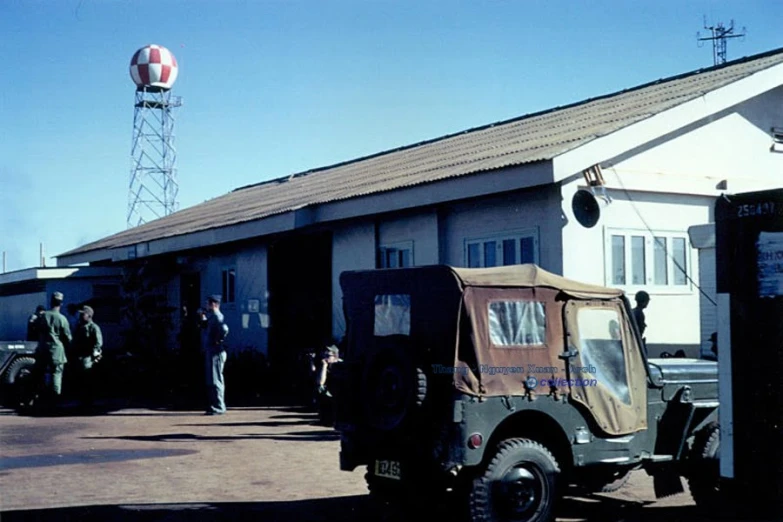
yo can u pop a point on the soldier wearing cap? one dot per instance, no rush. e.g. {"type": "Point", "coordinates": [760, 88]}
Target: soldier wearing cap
{"type": "Point", "coordinates": [215, 354]}
{"type": "Point", "coordinates": [325, 400]}
{"type": "Point", "coordinates": [54, 335]}
{"type": "Point", "coordinates": [32, 323]}
{"type": "Point", "coordinates": [87, 349]}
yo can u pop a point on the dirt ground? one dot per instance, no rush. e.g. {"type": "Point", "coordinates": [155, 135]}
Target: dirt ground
{"type": "Point", "coordinates": [261, 463]}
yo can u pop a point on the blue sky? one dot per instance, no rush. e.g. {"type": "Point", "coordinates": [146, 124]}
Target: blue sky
{"type": "Point", "coordinates": [270, 88]}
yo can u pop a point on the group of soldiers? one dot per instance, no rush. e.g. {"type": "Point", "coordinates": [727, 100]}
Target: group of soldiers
{"type": "Point", "coordinates": [58, 345]}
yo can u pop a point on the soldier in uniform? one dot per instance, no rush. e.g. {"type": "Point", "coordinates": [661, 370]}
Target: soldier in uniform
{"type": "Point", "coordinates": [87, 350]}
{"type": "Point", "coordinates": [32, 323]}
{"type": "Point", "coordinates": [215, 354]}
{"type": "Point", "coordinates": [54, 335]}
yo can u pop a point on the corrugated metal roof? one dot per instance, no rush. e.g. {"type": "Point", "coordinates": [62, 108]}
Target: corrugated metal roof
{"type": "Point", "coordinates": [535, 137]}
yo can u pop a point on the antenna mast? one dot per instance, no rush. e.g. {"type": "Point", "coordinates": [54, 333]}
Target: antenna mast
{"type": "Point", "coordinates": [720, 35]}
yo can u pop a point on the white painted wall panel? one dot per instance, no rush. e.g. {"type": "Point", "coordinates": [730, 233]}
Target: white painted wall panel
{"type": "Point", "coordinates": [733, 145]}
{"type": "Point", "coordinates": [507, 213]}
{"type": "Point", "coordinates": [14, 311]}
{"type": "Point", "coordinates": [353, 248]}
{"type": "Point", "coordinates": [252, 328]}
{"type": "Point", "coordinates": [420, 228]}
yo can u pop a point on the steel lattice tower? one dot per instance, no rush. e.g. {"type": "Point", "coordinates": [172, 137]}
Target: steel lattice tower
{"type": "Point", "coordinates": [152, 191]}
{"type": "Point", "coordinates": [153, 186]}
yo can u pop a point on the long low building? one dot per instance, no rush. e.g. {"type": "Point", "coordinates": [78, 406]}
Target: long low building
{"type": "Point", "coordinates": [601, 191]}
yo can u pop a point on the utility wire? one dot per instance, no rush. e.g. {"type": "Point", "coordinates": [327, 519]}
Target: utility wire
{"type": "Point", "coordinates": [658, 242]}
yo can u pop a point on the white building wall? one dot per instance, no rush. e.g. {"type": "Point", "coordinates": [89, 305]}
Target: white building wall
{"type": "Point", "coordinates": [251, 310]}
{"type": "Point", "coordinates": [734, 145]}
{"type": "Point", "coordinates": [353, 248]}
{"type": "Point", "coordinates": [420, 230]}
{"type": "Point", "coordinates": [514, 212]}
{"type": "Point", "coordinates": [14, 311]}
{"type": "Point", "coordinates": [663, 180]}
{"type": "Point", "coordinates": [248, 328]}
{"type": "Point", "coordinates": [673, 313]}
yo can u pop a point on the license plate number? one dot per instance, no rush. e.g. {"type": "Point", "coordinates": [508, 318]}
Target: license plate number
{"type": "Point", "coordinates": [387, 469]}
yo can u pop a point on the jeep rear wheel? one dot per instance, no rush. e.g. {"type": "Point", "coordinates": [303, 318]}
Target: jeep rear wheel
{"type": "Point", "coordinates": [704, 467]}
{"type": "Point", "coordinates": [518, 485]}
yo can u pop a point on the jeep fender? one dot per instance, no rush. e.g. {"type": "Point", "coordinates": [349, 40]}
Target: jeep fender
{"type": "Point", "coordinates": [539, 422]}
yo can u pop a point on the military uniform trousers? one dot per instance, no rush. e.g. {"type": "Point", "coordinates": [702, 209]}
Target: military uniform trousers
{"type": "Point", "coordinates": [49, 372]}
{"type": "Point", "coordinates": [215, 362]}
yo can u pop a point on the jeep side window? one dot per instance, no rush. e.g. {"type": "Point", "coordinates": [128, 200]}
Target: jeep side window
{"type": "Point", "coordinates": [602, 348]}
{"type": "Point", "coordinates": [517, 323]}
{"type": "Point", "coordinates": [392, 315]}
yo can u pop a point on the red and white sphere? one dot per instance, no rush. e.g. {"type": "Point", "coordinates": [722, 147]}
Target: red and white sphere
{"type": "Point", "coordinates": [153, 66]}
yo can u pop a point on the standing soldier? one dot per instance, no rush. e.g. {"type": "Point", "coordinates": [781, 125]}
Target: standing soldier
{"type": "Point", "coordinates": [54, 335]}
{"type": "Point", "coordinates": [642, 300]}
{"type": "Point", "coordinates": [215, 353]}
{"type": "Point", "coordinates": [87, 348]}
{"type": "Point", "coordinates": [32, 323]}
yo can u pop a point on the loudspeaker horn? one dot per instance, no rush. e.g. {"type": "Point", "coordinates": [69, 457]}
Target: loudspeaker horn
{"type": "Point", "coordinates": [587, 208]}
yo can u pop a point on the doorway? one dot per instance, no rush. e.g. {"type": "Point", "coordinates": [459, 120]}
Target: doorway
{"type": "Point", "coordinates": [190, 291]}
{"type": "Point", "coordinates": [300, 299]}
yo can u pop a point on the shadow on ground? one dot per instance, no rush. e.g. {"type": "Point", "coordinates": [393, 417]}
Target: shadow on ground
{"type": "Point", "coordinates": [315, 436]}
{"type": "Point", "coordinates": [338, 509]}
{"type": "Point", "coordinates": [87, 457]}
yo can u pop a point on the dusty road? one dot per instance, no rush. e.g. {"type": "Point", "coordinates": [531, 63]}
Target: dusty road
{"type": "Point", "coordinates": [261, 463]}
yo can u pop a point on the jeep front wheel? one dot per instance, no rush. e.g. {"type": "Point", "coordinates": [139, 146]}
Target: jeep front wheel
{"type": "Point", "coordinates": [518, 485]}
{"type": "Point", "coordinates": [704, 472]}
{"type": "Point", "coordinates": [18, 381]}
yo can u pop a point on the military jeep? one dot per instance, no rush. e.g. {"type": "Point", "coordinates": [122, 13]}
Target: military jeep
{"type": "Point", "coordinates": [509, 387]}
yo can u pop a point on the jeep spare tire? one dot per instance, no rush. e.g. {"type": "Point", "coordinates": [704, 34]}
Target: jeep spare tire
{"type": "Point", "coordinates": [392, 387]}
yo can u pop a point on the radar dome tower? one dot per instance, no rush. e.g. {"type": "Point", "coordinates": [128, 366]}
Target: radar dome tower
{"type": "Point", "coordinates": [153, 186]}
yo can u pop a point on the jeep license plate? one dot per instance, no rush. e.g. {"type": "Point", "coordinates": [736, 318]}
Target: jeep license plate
{"type": "Point", "coordinates": [388, 469]}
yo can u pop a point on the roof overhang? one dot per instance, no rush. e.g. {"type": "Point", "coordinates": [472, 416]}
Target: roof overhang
{"type": "Point", "coordinates": [449, 190]}
{"type": "Point", "coordinates": [38, 274]}
{"type": "Point", "coordinates": [605, 149]}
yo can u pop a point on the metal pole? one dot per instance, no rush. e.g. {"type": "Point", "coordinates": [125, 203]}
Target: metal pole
{"type": "Point", "coordinates": [43, 261]}
{"type": "Point", "coordinates": [4, 261]}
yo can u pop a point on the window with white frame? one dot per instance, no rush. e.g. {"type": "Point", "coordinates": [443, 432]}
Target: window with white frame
{"type": "Point", "coordinates": [229, 282]}
{"type": "Point", "coordinates": [397, 255]}
{"type": "Point", "coordinates": [513, 249]}
{"type": "Point", "coordinates": [637, 258]}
